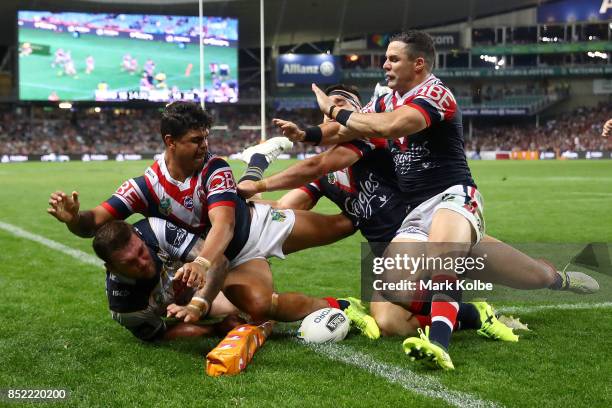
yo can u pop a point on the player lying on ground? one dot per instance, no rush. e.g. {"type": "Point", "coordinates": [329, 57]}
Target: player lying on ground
{"type": "Point", "coordinates": [366, 195]}
{"type": "Point", "coordinates": [141, 262]}
{"type": "Point", "coordinates": [196, 191]}
{"type": "Point", "coordinates": [154, 249]}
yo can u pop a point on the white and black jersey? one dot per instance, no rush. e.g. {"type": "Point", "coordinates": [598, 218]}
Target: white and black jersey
{"type": "Point", "coordinates": [139, 304]}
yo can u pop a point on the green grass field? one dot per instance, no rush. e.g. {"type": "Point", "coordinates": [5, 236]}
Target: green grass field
{"type": "Point", "coordinates": [56, 331]}
{"type": "Point", "coordinates": [37, 79]}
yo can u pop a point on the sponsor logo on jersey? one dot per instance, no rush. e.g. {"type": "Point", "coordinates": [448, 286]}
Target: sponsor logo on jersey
{"type": "Point", "coordinates": [165, 206]}
{"type": "Point", "coordinates": [129, 194]}
{"type": "Point", "coordinates": [221, 181]}
{"type": "Point", "coordinates": [334, 321]}
{"type": "Point", "coordinates": [188, 202]}
{"type": "Point", "coordinates": [181, 234]}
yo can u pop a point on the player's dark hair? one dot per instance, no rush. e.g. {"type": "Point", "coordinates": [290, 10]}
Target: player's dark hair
{"type": "Point", "coordinates": [180, 117]}
{"type": "Point", "coordinates": [343, 87]}
{"type": "Point", "coordinates": [111, 237]}
{"type": "Point", "coordinates": [419, 44]}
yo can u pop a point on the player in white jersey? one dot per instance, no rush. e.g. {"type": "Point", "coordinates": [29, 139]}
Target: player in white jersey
{"type": "Point", "coordinates": [141, 262]}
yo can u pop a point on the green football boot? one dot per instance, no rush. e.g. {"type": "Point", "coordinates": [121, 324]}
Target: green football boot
{"type": "Point", "coordinates": [490, 327]}
{"type": "Point", "coordinates": [358, 316]}
{"type": "Point", "coordinates": [422, 349]}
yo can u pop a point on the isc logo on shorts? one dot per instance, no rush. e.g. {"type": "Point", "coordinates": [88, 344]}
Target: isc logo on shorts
{"type": "Point", "coordinates": [278, 215]}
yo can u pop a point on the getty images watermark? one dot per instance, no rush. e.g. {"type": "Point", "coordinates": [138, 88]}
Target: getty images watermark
{"type": "Point", "coordinates": [409, 272]}
{"type": "Point", "coordinates": [405, 264]}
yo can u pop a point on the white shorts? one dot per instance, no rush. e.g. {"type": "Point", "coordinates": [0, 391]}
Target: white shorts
{"type": "Point", "coordinates": [269, 230]}
{"type": "Point", "coordinates": [465, 200]}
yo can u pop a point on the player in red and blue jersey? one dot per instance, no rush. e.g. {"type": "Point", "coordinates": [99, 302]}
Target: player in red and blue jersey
{"type": "Point", "coordinates": [349, 185]}
{"type": "Point", "coordinates": [423, 123]}
{"type": "Point", "coordinates": [186, 185]}
{"type": "Point", "coordinates": [196, 191]}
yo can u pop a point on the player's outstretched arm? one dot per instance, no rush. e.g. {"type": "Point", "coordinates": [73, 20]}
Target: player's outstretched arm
{"type": "Point", "coordinates": [65, 208]}
{"type": "Point", "coordinates": [389, 125]}
{"type": "Point", "coordinates": [296, 199]}
{"type": "Point", "coordinates": [304, 172]}
{"type": "Point", "coordinates": [326, 134]}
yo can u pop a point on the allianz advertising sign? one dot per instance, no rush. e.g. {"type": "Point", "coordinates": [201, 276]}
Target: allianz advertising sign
{"type": "Point", "coordinates": [307, 68]}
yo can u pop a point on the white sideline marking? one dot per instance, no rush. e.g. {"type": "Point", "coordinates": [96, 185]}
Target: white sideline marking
{"type": "Point", "coordinates": [562, 306]}
{"type": "Point", "coordinates": [75, 253]}
{"type": "Point", "coordinates": [409, 380]}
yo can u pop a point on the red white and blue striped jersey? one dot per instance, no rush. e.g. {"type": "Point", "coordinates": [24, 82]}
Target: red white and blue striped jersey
{"type": "Point", "coordinates": [185, 203]}
{"type": "Point", "coordinates": [432, 160]}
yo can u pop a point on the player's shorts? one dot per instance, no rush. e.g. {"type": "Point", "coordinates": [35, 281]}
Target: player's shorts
{"type": "Point", "coordinates": [269, 230]}
{"type": "Point", "coordinates": [465, 200]}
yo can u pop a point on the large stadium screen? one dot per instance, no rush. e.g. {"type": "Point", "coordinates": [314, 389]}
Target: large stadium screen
{"type": "Point", "coordinates": [120, 57]}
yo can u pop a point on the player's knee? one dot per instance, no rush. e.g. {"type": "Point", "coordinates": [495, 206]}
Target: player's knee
{"type": "Point", "coordinates": [386, 324]}
{"type": "Point", "coordinates": [342, 225]}
{"type": "Point", "coordinates": [259, 306]}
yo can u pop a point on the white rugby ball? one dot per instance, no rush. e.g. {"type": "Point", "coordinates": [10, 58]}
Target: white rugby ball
{"type": "Point", "coordinates": [327, 325]}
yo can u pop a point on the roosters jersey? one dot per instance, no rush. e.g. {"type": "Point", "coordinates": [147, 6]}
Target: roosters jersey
{"type": "Point", "coordinates": [139, 304]}
{"type": "Point", "coordinates": [366, 192]}
{"type": "Point", "coordinates": [186, 203]}
{"type": "Point", "coordinates": [432, 160]}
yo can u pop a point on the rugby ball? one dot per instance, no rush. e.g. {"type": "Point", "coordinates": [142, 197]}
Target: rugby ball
{"type": "Point", "coordinates": [327, 325]}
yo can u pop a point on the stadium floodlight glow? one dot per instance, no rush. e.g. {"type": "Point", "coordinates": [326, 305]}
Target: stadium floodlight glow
{"type": "Point", "coordinates": [489, 58]}
{"type": "Point", "coordinates": [97, 109]}
{"type": "Point", "coordinates": [353, 57]}
{"type": "Point", "coordinates": [65, 105]}
{"type": "Point", "coordinates": [597, 54]}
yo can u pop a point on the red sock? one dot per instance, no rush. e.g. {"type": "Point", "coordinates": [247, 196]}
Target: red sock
{"type": "Point", "coordinates": [332, 302]}
{"type": "Point", "coordinates": [423, 320]}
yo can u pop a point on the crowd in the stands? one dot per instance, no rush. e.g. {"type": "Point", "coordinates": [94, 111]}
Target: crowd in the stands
{"type": "Point", "coordinates": [29, 130]}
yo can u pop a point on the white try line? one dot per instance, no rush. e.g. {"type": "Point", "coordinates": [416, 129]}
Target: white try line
{"type": "Point", "coordinates": [75, 253]}
{"type": "Point", "coordinates": [561, 306]}
{"type": "Point", "coordinates": [411, 381]}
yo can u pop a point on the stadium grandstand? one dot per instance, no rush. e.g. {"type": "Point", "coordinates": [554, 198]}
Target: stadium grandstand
{"type": "Point", "coordinates": [97, 198]}
{"type": "Point", "coordinates": [509, 78]}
